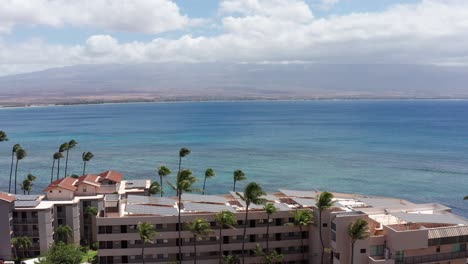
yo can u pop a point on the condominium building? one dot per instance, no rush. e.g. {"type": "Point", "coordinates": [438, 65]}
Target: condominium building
{"type": "Point", "coordinates": [400, 232]}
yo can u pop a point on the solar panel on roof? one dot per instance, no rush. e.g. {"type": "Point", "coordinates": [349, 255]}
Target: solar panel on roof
{"type": "Point", "coordinates": [150, 210]}
{"type": "Point", "coordinates": [304, 201]}
{"type": "Point", "coordinates": [27, 197]}
{"type": "Point", "coordinates": [24, 204]}
{"type": "Point", "coordinates": [293, 193]}
{"type": "Point", "coordinates": [201, 207]}
{"type": "Point", "coordinates": [138, 199]}
{"type": "Point", "coordinates": [430, 218]}
{"type": "Point", "coordinates": [203, 198]}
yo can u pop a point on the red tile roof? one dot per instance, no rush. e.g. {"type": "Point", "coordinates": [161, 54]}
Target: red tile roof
{"type": "Point", "coordinates": [67, 183]}
{"type": "Point", "coordinates": [90, 179]}
{"type": "Point", "coordinates": [7, 197]}
{"type": "Point", "coordinates": [112, 176]}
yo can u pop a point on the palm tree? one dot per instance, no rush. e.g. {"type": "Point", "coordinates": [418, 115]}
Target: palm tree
{"type": "Point", "coordinates": [183, 152]}
{"type": "Point", "coordinates": [13, 152]}
{"type": "Point", "coordinates": [20, 154]}
{"type": "Point", "coordinates": [59, 157]}
{"type": "Point", "coordinates": [231, 259]}
{"type": "Point", "coordinates": [209, 173]}
{"type": "Point", "coordinates": [147, 233]}
{"type": "Point", "coordinates": [302, 218]}
{"type": "Point", "coordinates": [185, 180]}
{"type": "Point", "coordinates": [252, 195]}
{"type": "Point", "coordinates": [87, 156]}
{"type": "Point", "coordinates": [324, 202]}
{"type": "Point", "coordinates": [224, 218]}
{"type": "Point", "coordinates": [56, 156]}
{"type": "Point", "coordinates": [200, 228]}
{"type": "Point", "coordinates": [27, 184]}
{"type": "Point", "coordinates": [238, 175]}
{"type": "Point", "coordinates": [71, 145]}
{"type": "Point", "coordinates": [357, 231]}
{"type": "Point", "coordinates": [269, 258]}
{"type": "Point", "coordinates": [64, 232]}
{"type": "Point", "coordinates": [163, 171]}
{"type": "Point", "coordinates": [154, 188]}
{"type": "Point", "coordinates": [22, 243]}
{"type": "Point", "coordinates": [3, 136]}
{"type": "Point", "coordinates": [64, 147]}
{"type": "Point", "coordinates": [465, 198]}
{"type": "Point", "coordinates": [269, 209]}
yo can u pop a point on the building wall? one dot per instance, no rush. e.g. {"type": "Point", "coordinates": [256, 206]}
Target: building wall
{"type": "Point", "coordinates": [86, 190]}
{"type": "Point", "coordinates": [58, 193]}
{"type": "Point", "coordinates": [46, 230]}
{"type": "Point", "coordinates": [5, 229]}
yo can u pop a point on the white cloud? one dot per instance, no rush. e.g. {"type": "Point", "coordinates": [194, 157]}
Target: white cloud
{"type": "Point", "coordinates": [148, 16]}
{"type": "Point", "coordinates": [327, 4]}
{"type": "Point", "coordinates": [429, 32]}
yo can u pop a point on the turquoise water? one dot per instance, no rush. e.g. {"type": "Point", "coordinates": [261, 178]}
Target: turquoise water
{"type": "Point", "coordinates": [416, 150]}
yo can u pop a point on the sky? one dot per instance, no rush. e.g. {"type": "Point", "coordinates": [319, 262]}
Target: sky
{"type": "Point", "coordinates": [42, 34]}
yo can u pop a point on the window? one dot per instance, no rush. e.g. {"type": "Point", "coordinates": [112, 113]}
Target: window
{"type": "Point", "coordinates": [84, 188]}
{"type": "Point", "coordinates": [376, 250]}
{"type": "Point", "coordinates": [363, 250]}
{"type": "Point", "coordinates": [324, 225]}
{"type": "Point", "coordinates": [60, 191]}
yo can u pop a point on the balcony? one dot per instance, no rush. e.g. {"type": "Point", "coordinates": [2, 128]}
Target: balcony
{"type": "Point", "coordinates": [433, 258]}
{"type": "Point", "coordinates": [380, 260]}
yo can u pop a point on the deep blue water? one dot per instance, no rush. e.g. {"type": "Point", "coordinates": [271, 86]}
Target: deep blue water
{"type": "Point", "coordinates": [416, 150]}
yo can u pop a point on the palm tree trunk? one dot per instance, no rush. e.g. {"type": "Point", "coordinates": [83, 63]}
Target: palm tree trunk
{"type": "Point", "coordinates": [66, 164]}
{"type": "Point", "coordinates": [234, 188]}
{"type": "Point", "coordinates": [220, 243]}
{"type": "Point", "coordinates": [178, 174]}
{"type": "Point", "coordinates": [143, 253]}
{"type": "Point", "coordinates": [16, 173]}
{"type": "Point", "coordinates": [84, 167]}
{"type": "Point", "coordinates": [268, 235]}
{"type": "Point", "coordinates": [58, 169]}
{"type": "Point", "coordinates": [195, 249]}
{"type": "Point", "coordinates": [52, 172]}
{"type": "Point", "coordinates": [11, 170]}
{"type": "Point", "coordinates": [352, 252]}
{"type": "Point", "coordinates": [204, 183]}
{"type": "Point", "coordinates": [321, 238]}
{"type": "Point", "coordinates": [245, 232]}
{"type": "Point", "coordinates": [302, 244]}
{"type": "Point", "coordinates": [180, 227]}
{"type": "Point", "coordinates": [161, 183]}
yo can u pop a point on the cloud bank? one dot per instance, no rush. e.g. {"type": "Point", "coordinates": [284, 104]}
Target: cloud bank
{"type": "Point", "coordinates": [252, 31]}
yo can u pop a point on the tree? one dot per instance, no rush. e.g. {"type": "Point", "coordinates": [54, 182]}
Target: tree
{"type": "Point", "coordinates": [27, 184]}
{"type": "Point", "coordinates": [86, 157]}
{"type": "Point", "coordinates": [64, 147]}
{"type": "Point", "coordinates": [465, 198]}
{"type": "Point", "coordinates": [238, 175]}
{"type": "Point", "coordinates": [231, 259]}
{"type": "Point", "coordinates": [183, 152]}
{"type": "Point", "coordinates": [224, 218]}
{"type": "Point", "coordinates": [163, 171]}
{"type": "Point", "coordinates": [200, 228]}
{"type": "Point", "coordinates": [302, 218]}
{"type": "Point", "coordinates": [269, 258]}
{"type": "Point", "coordinates": [91, 212]}
{"type": "Point", "coordinates": [209, 173]}
{"type": "Point", "coordinates": [357, 230]}
{"type": "Point", "coordinates": [154, 188]}
{"type": "Point", "coordinates": [64, 233]}
{"type": "Point", "coordinates": [324, 202]}
{"type": "Point", "coordinates": [184, 183]}
{"type": "Point", "coordinates": [59, 157]}
{"type": "Point", "coordinates": [147, 233]}
{"type": "Point", "coordinates": [3, 136]}
{"type": "Point", "coordinates": [21, 243]}
{"type": "Point", "coordinates": [62, 253]}
{"type": "Point", "coordinates": [252, 195]}
{"type": "Point", "coordinates": [71, 145]}
{"type": "Point", "coordinates": [269, 209]}
{"type": "Point", "coordinates": [20, 155]}
{"type": "Point", "coordinates": [13, 152]}
{"type": "Point", "coordinates": [56, 156]}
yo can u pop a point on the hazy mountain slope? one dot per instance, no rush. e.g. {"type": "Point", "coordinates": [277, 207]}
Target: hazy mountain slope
{"type": "Point", "coordinates": [238, 80]}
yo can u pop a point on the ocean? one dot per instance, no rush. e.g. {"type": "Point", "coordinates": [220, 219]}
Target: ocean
{"type": "Point", "coordinates": [411, 149]}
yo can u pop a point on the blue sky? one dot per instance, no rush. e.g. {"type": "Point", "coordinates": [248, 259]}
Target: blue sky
{"type": "Point", "coordinates": [40, 34]}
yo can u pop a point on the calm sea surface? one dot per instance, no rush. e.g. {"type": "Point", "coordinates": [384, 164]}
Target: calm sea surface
{"type": "Point", "coordinates": [416, 150]}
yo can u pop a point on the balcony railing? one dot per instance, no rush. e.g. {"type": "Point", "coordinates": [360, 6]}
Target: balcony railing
{"type": "Point", "coordinates": [433, 258]}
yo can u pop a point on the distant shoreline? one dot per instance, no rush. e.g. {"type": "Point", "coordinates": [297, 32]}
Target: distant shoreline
{"type": "Point", "coordinates": [110, 102]}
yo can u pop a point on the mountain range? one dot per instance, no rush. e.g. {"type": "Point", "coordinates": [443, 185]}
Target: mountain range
{"type": "Point", "coordinates": [210, 81]}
